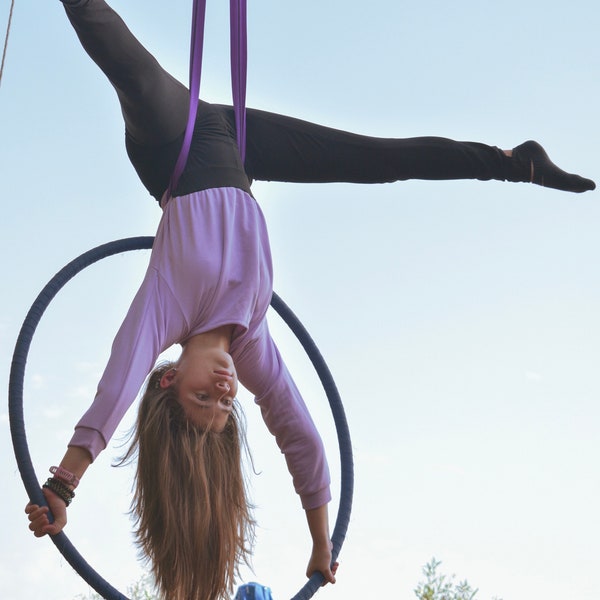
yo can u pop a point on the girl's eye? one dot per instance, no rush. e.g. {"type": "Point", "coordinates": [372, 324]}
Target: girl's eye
{"type": "Point", "coordinates": [202, 397]}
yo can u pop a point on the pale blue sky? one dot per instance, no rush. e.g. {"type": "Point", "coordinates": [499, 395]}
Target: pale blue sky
{"type": "Point", "coordinates": [460, 319]}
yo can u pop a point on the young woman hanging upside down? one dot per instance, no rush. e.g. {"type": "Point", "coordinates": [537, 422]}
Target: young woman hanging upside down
{"type": "Point", "coordinates": [207, 288]}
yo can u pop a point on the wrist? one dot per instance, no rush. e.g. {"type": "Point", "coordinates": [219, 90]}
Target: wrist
{"type": "Point", "coordinates": [321, 543]}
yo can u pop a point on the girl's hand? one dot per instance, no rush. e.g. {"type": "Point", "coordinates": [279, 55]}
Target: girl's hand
{"type": "Point", "coordinates": [38, 515]}
{"type": "Point", "coordinates": [320, 560]}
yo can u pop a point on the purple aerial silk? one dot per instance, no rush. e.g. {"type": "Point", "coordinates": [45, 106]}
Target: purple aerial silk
{"type": "Point", "coordinates": [239, 60]}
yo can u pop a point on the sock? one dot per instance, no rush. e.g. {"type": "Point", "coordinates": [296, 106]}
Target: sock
{"type": "Point", "coordinates": [534, 165]}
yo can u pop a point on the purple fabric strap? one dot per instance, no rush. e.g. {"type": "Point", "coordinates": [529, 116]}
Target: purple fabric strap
{"type": "Point", "coordinates": [239, 60]}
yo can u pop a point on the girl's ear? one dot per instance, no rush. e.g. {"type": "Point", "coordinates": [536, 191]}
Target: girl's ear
{"type": "Point", "coordinates": [168, 378]}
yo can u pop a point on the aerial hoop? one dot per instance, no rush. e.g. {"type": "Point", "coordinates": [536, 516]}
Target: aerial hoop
{"type": "Point", "coordinates": [19, 438]}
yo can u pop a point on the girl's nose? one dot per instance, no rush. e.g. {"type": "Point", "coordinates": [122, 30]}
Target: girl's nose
{"type": "Point", "coordinates": [222, 388]}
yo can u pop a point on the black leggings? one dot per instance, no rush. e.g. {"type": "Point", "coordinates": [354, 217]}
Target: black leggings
{"type": "Point", "coordinates": [155, 108]}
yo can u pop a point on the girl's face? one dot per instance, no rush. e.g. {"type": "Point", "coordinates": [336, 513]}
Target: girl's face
{"type": "Point", "coordinates": [207, 385]}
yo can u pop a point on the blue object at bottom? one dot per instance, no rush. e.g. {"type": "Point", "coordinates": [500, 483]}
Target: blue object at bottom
{"type": "Point", "coordinates": [253, 591]}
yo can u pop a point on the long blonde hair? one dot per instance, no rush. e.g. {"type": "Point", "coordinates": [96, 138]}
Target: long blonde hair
{"type": "Point", "coordinates": [192, 515]}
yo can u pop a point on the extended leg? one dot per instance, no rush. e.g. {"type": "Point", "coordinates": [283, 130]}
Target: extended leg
{"type": "Point", "coordinates": [154, 104]}
{"type": "Point", "coordinates": [281, 148]}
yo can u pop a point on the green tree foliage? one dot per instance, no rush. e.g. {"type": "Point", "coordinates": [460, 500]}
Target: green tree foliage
{"type": "Point", "coordinates": [441, 587]}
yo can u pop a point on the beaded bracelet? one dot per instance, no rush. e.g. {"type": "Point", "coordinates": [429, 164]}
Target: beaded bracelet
{"type": "Point", "coordinates": [60, 489]}
{"type": "Point", "coordinates": [62, 486]}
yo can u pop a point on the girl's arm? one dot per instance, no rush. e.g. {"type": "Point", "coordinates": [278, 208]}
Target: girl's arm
{"type": "Point", "coordinates": [135, 349]}
{"type": "Point", "coordinates": [262, 371]}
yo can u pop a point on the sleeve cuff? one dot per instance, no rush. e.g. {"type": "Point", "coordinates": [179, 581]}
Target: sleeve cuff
{"type": "Point", "coordinates": [310, 501]}
{"type": "Point", "coordinates": [88, 439]}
